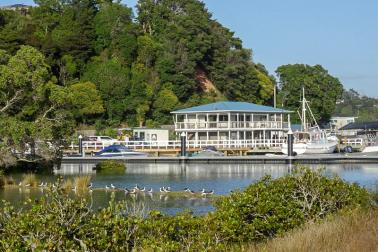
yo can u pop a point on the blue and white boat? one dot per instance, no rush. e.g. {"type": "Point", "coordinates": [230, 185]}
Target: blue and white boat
{"type": "Point", "coordinates": [118, 150]}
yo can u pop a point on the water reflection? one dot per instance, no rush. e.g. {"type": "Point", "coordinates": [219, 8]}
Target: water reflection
{"type": "Point", "coordinates": [222, 178]}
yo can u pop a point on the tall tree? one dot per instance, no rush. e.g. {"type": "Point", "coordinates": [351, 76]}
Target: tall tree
{"type": "Point", "coordinates": [35, 113]}
{"type": "Point", "coordinates": [321, 89]}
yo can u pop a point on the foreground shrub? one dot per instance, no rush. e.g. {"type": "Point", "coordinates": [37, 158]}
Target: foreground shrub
{"type": "Point", "coordinates": [263, 210]}
{"type": "Point", "coordinates": [272, 207]}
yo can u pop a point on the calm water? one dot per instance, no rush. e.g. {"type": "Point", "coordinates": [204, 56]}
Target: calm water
{"type": "Point", "coordinates": [222, 178]}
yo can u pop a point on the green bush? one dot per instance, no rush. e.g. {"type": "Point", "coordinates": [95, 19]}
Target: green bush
{"type": "Point", "coordinates": [272, 207]}
{"type": "Point", "coordinates": [263, 210]}
{"type": "Point", "coordinates": [111, 167]}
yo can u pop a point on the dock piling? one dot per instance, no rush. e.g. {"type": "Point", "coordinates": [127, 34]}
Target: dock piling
{"type": "Point", "coordinates": [183, 144]}
{"type": "Point", "coordinates": [81, 152]}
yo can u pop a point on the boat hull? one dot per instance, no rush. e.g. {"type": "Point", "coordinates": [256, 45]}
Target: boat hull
{"type": "Point", "coordinates": [311, 148]}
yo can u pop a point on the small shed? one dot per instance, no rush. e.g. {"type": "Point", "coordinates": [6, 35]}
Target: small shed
{"type": "Point", "coordinates": [150, 134]}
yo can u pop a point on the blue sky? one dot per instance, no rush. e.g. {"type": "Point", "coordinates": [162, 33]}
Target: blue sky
{"type": "Point", "coordinates": [341, 35]}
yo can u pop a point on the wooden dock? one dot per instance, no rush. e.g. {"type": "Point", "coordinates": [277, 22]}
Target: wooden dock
{"type": "Point", "coordinates": [253, 159]}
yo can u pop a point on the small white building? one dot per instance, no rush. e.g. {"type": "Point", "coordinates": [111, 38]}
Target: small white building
{"type": "Point", "coordinates": [238, 124]}
{"type": "Point", "coordinates": [337, 122]}
{"type": "Point", "coordinates": [149, 134]}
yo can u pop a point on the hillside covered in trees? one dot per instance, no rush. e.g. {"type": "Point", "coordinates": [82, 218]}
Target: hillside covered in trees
{"type": "Point", "coordinates": [354, 104]}
{"type": "Point", "coordinates": [170, 54]}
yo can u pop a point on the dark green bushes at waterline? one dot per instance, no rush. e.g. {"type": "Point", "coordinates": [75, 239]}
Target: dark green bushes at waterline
{"type": "Point", "coordinates": [111, 167]}
{"type": "Point", "coordinates": [265, 209]}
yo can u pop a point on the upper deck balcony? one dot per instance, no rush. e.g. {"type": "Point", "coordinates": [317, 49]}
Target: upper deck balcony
{"type": "Point", "coordinates": [231, 116]}
{"type": "Point", "coordinates": [184, 126]}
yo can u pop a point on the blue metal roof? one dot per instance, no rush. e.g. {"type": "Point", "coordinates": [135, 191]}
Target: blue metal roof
{"type": "Point", "coordinates": [232, 106]}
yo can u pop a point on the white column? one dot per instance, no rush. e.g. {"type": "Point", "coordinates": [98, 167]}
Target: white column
{"type": "Point", "coordinates": [196, 123]}
{"type": "Point", "coordinates": [229, 120]}
{"type": "Point", "coordinates": [264, 137]}
{"type": "Point", "coordinates": [244, 121]}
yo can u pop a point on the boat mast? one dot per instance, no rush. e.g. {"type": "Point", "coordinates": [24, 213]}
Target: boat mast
{"type": "Point", "coordinates": [304, 123]}
{"type": "Point", "coordinates": [305, 105]}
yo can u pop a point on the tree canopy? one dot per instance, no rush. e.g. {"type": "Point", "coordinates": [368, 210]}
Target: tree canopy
{"type": "Point", "coordinates": [171, 49]}
{"type": "Point", "coordinates": [321, 89]}
{"type": "Point", "coordinates": [361, 106]}
{"type": "Point", "coordinates": [36, 114]}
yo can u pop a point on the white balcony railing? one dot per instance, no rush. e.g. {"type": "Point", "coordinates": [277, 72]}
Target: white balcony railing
{"type": "Point", "coordinates": [231, 125]}
{"type": "Point", "coordinates": [176, 144]}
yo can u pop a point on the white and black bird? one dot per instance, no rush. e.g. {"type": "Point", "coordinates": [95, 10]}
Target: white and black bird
{"type": "Point", "coordinates": [204, 192]}
{"type": "Point", "coordinates": [112, 186]}
{"type": "Point", "coordinates": [133, 191]}
{"type": "Point", "coordinates": [90, 185]}
{"type": "Point", "coordinates": [166, 189]}
{"type": "Point", "coordinates": [150, 191]}
{"type": "Point", "coordinates": [107, 187]}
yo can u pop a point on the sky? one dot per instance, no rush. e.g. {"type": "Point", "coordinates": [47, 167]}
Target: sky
{"type": "Point", "coordinates": [340, 35]}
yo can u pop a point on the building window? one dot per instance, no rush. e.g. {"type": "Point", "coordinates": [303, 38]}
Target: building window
{"type": "Point", "coordinates": [223, 118]}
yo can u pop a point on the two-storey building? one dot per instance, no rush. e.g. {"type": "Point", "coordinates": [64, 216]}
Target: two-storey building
{"type": "Point", "coordinates": [228, 124]}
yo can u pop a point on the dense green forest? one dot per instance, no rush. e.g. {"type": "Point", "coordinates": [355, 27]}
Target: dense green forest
{"type": "Point", "coordinates": [67, 63]}
{"type": "Point", "coordinates": [171, 55]}
{"type": "Point", "coordinates": [354, 104]}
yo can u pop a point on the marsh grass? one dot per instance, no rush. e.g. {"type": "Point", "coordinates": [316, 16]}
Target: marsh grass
{"type": "Point", "coordinates": [67, 185]}
{"type": "Point", "coordinates": [357, 231]}
{"type": "Point", "coordinates": [29, 179]}
{"type": "Point", "coordinates": [9, 181]}
{"type": "Point", "coordinates": [2, 181]}
{"type": "Point", "coordinates": [82, 182]}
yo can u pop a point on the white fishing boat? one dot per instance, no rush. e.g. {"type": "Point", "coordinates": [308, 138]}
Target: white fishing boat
{"type": "Point", "coordinates": [310, 139]}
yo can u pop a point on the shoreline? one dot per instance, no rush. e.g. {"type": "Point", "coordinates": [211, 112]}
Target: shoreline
{"type": "Point", "coordinates": [255, 159]}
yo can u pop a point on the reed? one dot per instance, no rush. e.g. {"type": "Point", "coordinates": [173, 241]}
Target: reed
{"type": "Point", "coordinates": [82, 182]}
{"type": "Point", "coordinates": [29, 179]}
{"type": "Point", "coordinates": [67, 185]}
{"type": "Point", "coordinates": [9, 181]}
{"type": "Point", "coordinates": [2, 181]}
{"type": "Point", "coordinates": [357, 231]}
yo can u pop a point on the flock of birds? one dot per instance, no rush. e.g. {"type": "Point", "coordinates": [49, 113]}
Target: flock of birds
{"type": "Point", "coordinates": [136, 189]}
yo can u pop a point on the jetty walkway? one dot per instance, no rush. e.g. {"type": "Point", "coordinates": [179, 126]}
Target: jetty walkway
{"type": "Point", "coordinates": [253, 159]}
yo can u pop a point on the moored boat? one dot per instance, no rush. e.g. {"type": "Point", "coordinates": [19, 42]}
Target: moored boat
{"type": "Point", "coordinates": [209, 151]}
{"type": "Point", "coordinates": [118, 150]}
{"type": "Point", "coordinates": [310, 139]}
